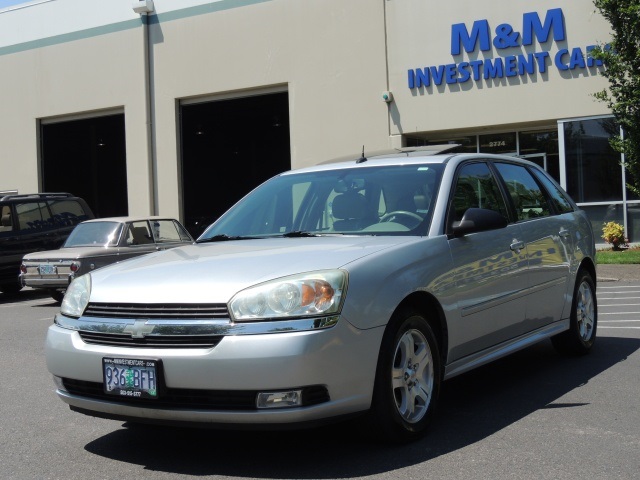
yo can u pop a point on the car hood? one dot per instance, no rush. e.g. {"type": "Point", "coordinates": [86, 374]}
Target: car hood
{"type": "Point", "coordinates": [70, 253]}
{"type": "Point", "coordinates": [215, 272]}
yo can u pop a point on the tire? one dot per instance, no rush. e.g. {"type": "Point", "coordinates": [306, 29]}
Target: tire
{"type": "Point", "coordinates": [581, 335]}
{"type": "Point", "coordinates": [408, 379]}
{"type": "Point", "coordinates": [57, 295]}
{"type": "Point", "coordinates": [11, 288]}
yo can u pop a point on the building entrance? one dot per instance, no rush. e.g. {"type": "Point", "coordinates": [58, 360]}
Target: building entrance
{"type": "Point", "coordinates": [87, 158]}
{"type": "Point", "coordinates": [229, 147]}
{"type": "Point", "coordinates": [539, 159]}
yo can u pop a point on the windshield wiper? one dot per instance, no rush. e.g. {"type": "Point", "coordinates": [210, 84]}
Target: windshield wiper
{"type": "Point", "coordinates": [300, 233]}
{"type": "Point", "coordinates": [223, 237]}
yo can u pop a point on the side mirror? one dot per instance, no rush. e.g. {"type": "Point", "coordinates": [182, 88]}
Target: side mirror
{"type": "Point", "coordinates": [478, 220]}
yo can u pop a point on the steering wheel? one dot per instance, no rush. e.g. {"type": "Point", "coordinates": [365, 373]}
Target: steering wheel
{"type": "Point", "coordinates": [387, 217]}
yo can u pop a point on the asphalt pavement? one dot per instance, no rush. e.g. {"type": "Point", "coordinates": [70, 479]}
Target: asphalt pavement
{"type": "Point", "coordinates": [618, 273]}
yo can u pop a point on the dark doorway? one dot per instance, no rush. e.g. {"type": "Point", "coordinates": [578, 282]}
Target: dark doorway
{"type": "Point", "coordinates": [87, 158]}
{"type": "Point", "coordinates": [228, 148]}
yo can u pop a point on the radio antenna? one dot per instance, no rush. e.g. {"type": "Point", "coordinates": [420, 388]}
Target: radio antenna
{"type": "Point", "coordinates": [362, 158]}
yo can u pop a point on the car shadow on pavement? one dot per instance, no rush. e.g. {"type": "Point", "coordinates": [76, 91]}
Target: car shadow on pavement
{"type": "Point", "coordinates": [22, 296]}
{"type": "Point", "coordinates": [472, 407]}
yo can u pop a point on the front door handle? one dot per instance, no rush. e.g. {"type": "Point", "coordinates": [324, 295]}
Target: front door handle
{"type": "Point", "coordinates": [516, 246]}
{"type": "Point", "coordinates": [564, 233]}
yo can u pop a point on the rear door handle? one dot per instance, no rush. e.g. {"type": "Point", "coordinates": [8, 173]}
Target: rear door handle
{"type": "Point", "coordinates": [516, 246]}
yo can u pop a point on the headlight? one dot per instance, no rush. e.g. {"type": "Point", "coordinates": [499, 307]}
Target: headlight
{"type": "Point", "coordinates": [77, 297]}
{"type": "Point", "coordinates": [310, 294]}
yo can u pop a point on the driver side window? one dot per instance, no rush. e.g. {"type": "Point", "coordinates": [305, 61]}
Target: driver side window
{"type": "Point", "coordinates": [476, 187]}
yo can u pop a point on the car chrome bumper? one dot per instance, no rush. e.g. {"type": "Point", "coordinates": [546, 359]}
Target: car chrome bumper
{"type": "Point", "coordinates": [56, 283]}
{"type": "Point", "coordinates": [342, 358]}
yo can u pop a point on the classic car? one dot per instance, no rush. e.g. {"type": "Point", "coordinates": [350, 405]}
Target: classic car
{"type": "Point", "coordinates": [96, 243]}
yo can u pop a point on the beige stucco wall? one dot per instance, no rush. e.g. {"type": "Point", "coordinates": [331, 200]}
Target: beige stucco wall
{"type": "Point", "coordinates": [68, 81]}
{"type": "Point", "coordinates": [334, 57]}
{"type": "Point", "coordinates": [328, 54]}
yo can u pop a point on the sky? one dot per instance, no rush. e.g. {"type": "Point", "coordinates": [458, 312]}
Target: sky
{"type": "Point", "coordinates": [10, 3]}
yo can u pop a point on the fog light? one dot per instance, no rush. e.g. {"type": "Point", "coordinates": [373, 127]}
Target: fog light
{"type": "Point", "coordinates": [58, 383]}
{"type": "Point", "coordinates": [292, 398]}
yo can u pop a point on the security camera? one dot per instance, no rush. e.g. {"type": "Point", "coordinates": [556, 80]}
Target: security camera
{"type": "Point", "coordinates": [143, 6]}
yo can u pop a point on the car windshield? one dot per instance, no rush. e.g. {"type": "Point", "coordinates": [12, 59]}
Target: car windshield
{"type": "Point", "coordinates": [366, 200]}
{"type": "Point", "coordinates": [94, 234]}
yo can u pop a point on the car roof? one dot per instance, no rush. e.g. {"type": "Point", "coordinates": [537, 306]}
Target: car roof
{"type": "Point", "coordinates": [36, 196]}
{"type": "Point", "coordinates": [128, 219]}
{"type": "Point", "coordinates": [405, 156]}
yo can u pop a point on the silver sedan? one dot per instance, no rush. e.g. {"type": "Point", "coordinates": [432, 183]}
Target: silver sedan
{"type": "Point", "coordinates": [353, 288]}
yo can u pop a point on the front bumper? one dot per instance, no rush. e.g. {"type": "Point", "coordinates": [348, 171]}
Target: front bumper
{"type": "Point", "coordinates": [341, 359]}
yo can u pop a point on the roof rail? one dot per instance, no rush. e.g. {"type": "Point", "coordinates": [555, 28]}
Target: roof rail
{"type": "Point", "coordinates": [44, 195]}
{"type": "Point", "coordinates": [395, 152]}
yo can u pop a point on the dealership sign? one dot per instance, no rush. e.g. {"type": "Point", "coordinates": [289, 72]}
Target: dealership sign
{"type": "Point", "coordinates": [506, 39]}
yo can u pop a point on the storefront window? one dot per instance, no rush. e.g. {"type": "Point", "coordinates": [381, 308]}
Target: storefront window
{"type": "Point", "coordinates": [601, 214]}
{"type": "Point", "coordinates": [593, 167]}
{"type": "Point", "coordinates": [502, 143]}
{"type": "Point", "coordinates": [633, 222]}
{"type": "Point", "coordinates": [630, 194]}
{"type": "Point", "coordinates": [542, 148]}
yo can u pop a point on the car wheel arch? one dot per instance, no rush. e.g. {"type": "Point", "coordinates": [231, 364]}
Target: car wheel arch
{"type": "Point", "coordinates": [588, 265]}
{"type": "Point", "coordinates": [384, 420]}
{"type": "Point", "coordinates": [427, 305]}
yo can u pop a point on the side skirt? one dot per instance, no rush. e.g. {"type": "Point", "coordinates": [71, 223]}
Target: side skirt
{"type": "Point", "coordinates": [498, 351]}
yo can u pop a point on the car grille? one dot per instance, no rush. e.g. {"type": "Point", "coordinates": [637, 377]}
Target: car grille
{"type": "Point", "coordinates": [191, 398]}
{"type": "Point", "coordinates": [157, 310]}
{"type": "Point", "coordinates": [150, 341]}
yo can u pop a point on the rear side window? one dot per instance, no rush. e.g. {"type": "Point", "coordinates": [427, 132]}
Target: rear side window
{"type": "Point", "coordinates": [528, 198]}
{"type": "Point", "coordinates": [139, 234]}
{"type": "Point", "coordinates": [33, 216]}
{"type": "Point", "coordinates": [6, 223]}
{"type": "Point", "coordinates": [67, 212]}
{"type": "Point", "coordinates": [168, 231]}
{"type": "Point", "coordinates": [558, 197]}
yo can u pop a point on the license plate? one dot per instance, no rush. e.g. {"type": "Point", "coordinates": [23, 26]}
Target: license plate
{"type": "Point", "coordinates": [131, 377]}
{"type": "Point", "coordinates": [48, 269]}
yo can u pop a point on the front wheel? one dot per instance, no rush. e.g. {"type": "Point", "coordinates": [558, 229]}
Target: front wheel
{"type": "Point", "coordinates": [581, 335]}
{"type": "Point", "coordinates": [57, 295]}
{"type": "Point", "coordinates": [407, 379]}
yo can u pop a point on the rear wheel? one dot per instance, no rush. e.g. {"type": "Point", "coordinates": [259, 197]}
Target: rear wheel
{"type": "Point", "coordinates": [581, 335]}
{"type": "Point", "coordinates": [11, 288]}
{"type": "Point", "coordinates": [407, 379]}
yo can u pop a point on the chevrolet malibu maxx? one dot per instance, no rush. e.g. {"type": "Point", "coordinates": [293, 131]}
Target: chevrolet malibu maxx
{"type": "Point", "coordinates": [349, 288]}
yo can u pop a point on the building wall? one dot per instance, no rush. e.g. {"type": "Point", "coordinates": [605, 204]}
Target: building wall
{"type": "Point", "coordinates": [82, 56]}
{"type": "Point", "coordinates": [62, 59]}
{"type": "Point", "coordinates": [420, 36]}
{"type": "Point", "coordinates": [318, 50]}
{"type": "Point", "coordinates": [68, 63]}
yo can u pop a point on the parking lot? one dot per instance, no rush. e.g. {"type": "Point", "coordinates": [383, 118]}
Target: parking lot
{"type": "Point", "coordinates": [619, 306]}
{"type": "Point", "coordinates": [533, 415]}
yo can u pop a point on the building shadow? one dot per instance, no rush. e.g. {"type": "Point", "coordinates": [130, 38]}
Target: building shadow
{"type": "Point", "coordinates": [472, 407]}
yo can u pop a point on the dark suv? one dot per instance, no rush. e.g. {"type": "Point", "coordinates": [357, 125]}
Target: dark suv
{"type": "Point", "coordinates": [30, 223]}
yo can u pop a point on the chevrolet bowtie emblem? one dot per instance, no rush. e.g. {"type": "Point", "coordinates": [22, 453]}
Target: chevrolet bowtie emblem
{"type": "Point", "coordinates": [139, 329]}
